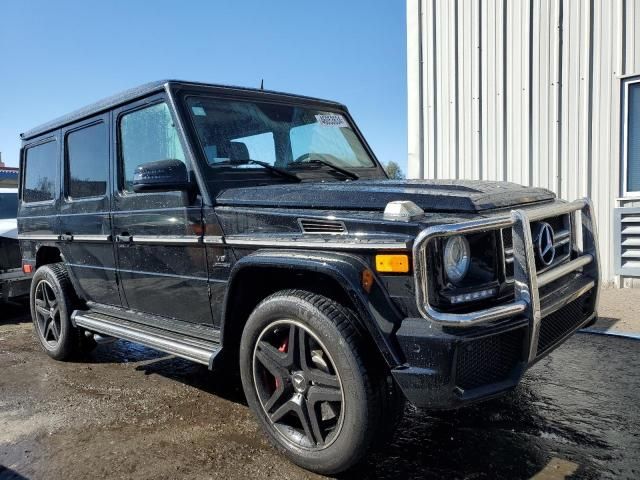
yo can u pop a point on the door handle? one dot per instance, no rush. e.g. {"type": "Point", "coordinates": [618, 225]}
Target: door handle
{"type": "Point", "coordinates": [66, 237]}
{"type": "Point", "coordinates": [124, 238]}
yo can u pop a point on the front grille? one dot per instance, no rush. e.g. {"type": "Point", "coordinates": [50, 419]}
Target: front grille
{"type": "Point", "coordinates": [489, 359]}
{"type": "Point", "coordinates": [555, 326]}
{"type": "Point", "coordinates": [562, 229]}
{"type": "Point", "coordinates": [309, 225]}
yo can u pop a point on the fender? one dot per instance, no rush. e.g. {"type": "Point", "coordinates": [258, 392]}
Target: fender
{"type": "Point", "coordinates": [378, 315]}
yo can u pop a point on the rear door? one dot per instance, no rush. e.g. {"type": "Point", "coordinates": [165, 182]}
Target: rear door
{"type": "Point", "coordinates": [159, 236]}
{"type": "Point", "coordinates": [85, 221]}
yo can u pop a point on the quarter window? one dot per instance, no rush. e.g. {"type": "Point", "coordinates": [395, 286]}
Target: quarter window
{"type": "Point", "coordinates": [40, 172]}
{"type": "Point", "coordinates": [87, 161]}
{"type": "Point", "coordinates": [147, 135]}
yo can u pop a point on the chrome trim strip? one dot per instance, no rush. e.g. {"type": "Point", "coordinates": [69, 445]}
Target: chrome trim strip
{"type": "Point", "coordinates": [213, 239]}
{"type": "Point", "coordinates": [91, 238]}
{"type": "Point", "coordinates": [341, 244]}
{"type": "Point", "coordinates": [167, 239]}
{"type": "Point", "coordinates": [560, 271]}
{"type": "Point", "coordinates": [26, 236]}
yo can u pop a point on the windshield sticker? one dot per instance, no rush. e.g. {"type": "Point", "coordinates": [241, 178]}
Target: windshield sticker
{"type": "Point", "coordinates": [199, 111]}
{"type": "Point", "coordinates": [331, 120]}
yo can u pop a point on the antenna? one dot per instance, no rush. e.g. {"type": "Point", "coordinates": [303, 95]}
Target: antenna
{"type": "Point", "coordinates": [262, 84]}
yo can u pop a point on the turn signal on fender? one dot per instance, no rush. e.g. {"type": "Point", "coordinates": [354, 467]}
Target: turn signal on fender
{"type": "Point", "coordinates": [392, 263]}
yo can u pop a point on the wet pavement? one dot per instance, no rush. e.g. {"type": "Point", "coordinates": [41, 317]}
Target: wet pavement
{"type": "Point", "coordinates": [129, 412]}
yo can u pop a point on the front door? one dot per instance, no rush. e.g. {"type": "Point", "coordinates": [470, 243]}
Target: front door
{"type": "Point", "coordinates": [161, 257]}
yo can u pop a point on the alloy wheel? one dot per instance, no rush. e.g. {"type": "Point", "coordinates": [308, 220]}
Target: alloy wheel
{"type": "Point", "coordinates": [47, 310]}
{"type": "Point", "coordinates": [298, 385]}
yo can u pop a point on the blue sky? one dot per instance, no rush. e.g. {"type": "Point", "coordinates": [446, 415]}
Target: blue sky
{"type": "Point", "coordinates": [56, 56]}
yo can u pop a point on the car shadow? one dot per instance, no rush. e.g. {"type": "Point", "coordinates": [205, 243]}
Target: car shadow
{"type": "Point", "coordinates": [13, 312]}
{"type": "Point", "coordinates": [223, 381]}
{"type": "Point", "coordinates": [7, 473]}
{"type": "Point", "coordinates": [604, 323]}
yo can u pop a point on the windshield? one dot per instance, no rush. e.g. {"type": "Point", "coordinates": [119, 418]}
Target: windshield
{"type": "Point", "coordinates": [233, 132]}
{"type": "Point", "coordinates": [8, 205]}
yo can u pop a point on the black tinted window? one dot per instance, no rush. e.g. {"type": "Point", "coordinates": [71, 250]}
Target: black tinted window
{"type": "Point", "coordinates": [87, 161]}
{"type": "Point", "coordinates": [40, 172]}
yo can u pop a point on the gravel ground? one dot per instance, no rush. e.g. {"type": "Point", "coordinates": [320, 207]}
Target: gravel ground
{"type": "Point", "coordinates": [129, 412]}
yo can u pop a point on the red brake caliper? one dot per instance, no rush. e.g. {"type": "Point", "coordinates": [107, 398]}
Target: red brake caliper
{"type": "Point", "coordinates": [282, 348]}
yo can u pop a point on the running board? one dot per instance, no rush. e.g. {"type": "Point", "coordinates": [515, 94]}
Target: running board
{"type": "Point", "coordinates": [194, 349]}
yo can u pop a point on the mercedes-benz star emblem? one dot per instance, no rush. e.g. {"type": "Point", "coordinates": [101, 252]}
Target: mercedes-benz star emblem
{"type": "Point", "coordinates": [299, 382]}
{"type": "Point", "coordinates": [545, 248]}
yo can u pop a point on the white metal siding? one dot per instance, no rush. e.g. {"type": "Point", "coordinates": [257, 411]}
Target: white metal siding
{"type": "Point", "coordinates": [522, 90]}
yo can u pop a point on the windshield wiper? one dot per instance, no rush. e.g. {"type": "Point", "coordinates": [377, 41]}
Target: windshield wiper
{"type": "Point", "coordinates": [268, 166]}
{"type": "Point", "coordinates": [343, 171]}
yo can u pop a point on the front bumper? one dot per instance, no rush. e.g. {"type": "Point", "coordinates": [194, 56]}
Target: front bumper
{"type": "Point", "coordinates": [455, 359]}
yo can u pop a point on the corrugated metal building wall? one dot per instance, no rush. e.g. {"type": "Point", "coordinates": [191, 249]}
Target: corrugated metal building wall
{"type": "Point", "coordinates": [523, 90]}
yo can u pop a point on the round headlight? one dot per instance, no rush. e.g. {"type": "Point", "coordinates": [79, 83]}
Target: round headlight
{"type": "Point", "coordinates": [456, 258]}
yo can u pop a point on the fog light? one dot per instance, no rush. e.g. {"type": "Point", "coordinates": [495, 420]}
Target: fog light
{"type": "Point", "coordinates": [392, 263]}
{"type": "Point", "coordinates": [470, 297]}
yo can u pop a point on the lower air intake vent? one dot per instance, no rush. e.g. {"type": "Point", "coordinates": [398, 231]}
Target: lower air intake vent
{"type": "Point", "coordinates": [322, 226]}
{"type": "Point", "coordinates": [489, 360]}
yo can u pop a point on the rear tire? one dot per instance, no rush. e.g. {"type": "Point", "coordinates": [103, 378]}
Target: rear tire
{"type": "Point", "coordinates": [52, 300]}
{"type": "Point", "coordinates": [301, 354]}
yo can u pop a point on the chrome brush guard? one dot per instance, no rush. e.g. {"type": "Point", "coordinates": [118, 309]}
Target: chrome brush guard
{"type": "Point", "coordinates": [527, 281]}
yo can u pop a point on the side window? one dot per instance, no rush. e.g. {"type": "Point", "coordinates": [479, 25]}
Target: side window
{"type": "Point", "coordinates": [40, 172]}
{"type": "Point", "coordinates": [147, 135]}
{"type": "Point", "coordinates": [87, 154]}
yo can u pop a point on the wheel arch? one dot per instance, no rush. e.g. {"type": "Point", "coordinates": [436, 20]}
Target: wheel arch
{"type": "Point", "coordinates": [47, 254]}
{"type": "Point", "coordinates": [337, 275]}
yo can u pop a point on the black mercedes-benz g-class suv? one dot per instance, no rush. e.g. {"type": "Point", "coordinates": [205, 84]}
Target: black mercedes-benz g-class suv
{"type": "Point", "coordinates": [204, 221]}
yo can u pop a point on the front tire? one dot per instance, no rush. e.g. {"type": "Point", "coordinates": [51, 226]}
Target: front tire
{"type": "Point", "coordinates": [52, 301]}
{"type": "Point", "coordinates": [312, 381]}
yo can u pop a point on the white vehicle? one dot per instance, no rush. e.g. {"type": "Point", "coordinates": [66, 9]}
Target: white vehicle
{"type": "Point", "coordinates": [13, 282]}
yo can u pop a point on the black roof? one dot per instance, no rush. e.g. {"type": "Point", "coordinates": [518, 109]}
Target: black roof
{"type": "Point", "coordinates": [139, 92]}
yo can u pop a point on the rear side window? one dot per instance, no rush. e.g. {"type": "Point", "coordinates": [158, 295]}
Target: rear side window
{"type": "Point", "coordinates": [87, 154]}
{"type": "Point", "coordinates": [40, 172]}
{"type": "Point", "coordinates": [147, 135]}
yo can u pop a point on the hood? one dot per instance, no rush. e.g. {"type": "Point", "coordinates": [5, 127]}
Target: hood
{"type": "Point", "coordinates": [9, 228]}
{"type": "Point", "coordinates": [430, 195]}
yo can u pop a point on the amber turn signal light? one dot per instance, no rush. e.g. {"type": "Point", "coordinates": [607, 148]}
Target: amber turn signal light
{"type": "Point", "coordinates": [392, 263]}
{"type": "Point", "coordinates": [27, 268]}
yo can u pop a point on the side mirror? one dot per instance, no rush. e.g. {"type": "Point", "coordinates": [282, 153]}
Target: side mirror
{"type": "Point", "coordinates": [161, 176]}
